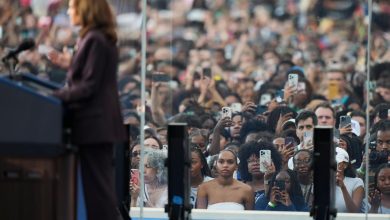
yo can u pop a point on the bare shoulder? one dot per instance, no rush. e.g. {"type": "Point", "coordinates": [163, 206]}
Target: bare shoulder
{"type": "Point", "coordinates": [243, 186]}
{"type": "Point", "coordinates": [208, 184]}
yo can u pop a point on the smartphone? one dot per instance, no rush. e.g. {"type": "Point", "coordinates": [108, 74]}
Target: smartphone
{"type": "Point", "coordinates": [279, 96]}
{"type": "Point", "coordinates": [281, 184]}
{"type": "Point", "coordinates": [333, 90]}
{"type": "Point", "coordinates": [265, 158]}
{"type": "Point", "coordinates": [345, 120]}
{"type": "Point", "coordinates": [160, 77]}
{"type": "Point", "coordinates": [226, 112]}
{"type": "Point", "coordinates": [293, 81]}
{"type": "Point", "coordinates": [265, 99]}
{"type": "Point", "coordinates": [207, 72]}
{"type": "Point", "coordinates": [289, 142]}
{"type": "Point", "coordinates": [44, 49]}
{"type": "Point", "coordinates": [308, 138]}
{"type": "Point", "coordinates": [236, 107]}
{"type": "Point", "coordinates": [260, 109]}
{"type": "Point", "coordinates": [135, 176]}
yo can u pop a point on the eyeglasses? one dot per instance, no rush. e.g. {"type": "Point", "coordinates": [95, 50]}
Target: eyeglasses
{"type": "Point", "coordinates": [303, 162]}
{"type": "Point", "coordinates": [136, 153]}
{"type": "Point", "coordinates": [252, 161]}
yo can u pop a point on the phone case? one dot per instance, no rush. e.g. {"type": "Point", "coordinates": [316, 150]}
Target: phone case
{"type": "Point", "coordinates": [135, 176]}
{"type": "Point", "coordinates": [226, 112]}
{"type": "Point", "coordinates": [289, 141]}
{"type": "Point", "coordinates": [293, 80]}
{"type": "Point", "coordinates": [333, 91]}
{"type": "Point", "coordinates": [265, 98]}
{"type": "Point", "coordinates": [265, 156]}
{"type": "Point", "coordinates": [236, 107]}
{"type": "Point", "coordinates": [307, 137]}
{"type": "Point", "coordinates": [345, 120]}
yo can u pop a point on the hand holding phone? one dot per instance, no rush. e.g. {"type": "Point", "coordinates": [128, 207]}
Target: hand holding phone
{"type": "Point", "coordinates": [265, 160]}
{"type": "Point", "coordinates": [345, 120]}
{"type": "Point", "coordinates": [293, 81]}
{"type": "Point", "coordinates": [333, 90]}
{"type": "Point", "coordinates": [207, 72]}
{"type": "Point", "coordinates": [160, 77]}
{"type": "Point", "coordinates": [226, 112]}
{"type": "Point", "coordinates": [265, 99]}
{"type": "Point", "coordinates": [135, 176]}
{"type": "Point", "coordinates": [236, 107]}
{"type": "Point", "coordinates": [308, 140]}
{"type": "Point", "coordinates": [281, 184]}
{"type": "Point", "coordinates": [289, 142]}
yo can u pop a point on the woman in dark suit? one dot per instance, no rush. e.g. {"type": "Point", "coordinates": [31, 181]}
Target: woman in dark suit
{"type": "Point", "coordinates": [91, 97]}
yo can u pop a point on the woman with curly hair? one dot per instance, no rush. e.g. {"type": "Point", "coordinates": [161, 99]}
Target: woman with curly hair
{"type": "Point", "coordinates": [249, 167]}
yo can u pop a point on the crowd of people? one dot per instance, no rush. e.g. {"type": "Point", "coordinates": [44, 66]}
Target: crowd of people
{"type": "Point", "coordinates": [204, 55]}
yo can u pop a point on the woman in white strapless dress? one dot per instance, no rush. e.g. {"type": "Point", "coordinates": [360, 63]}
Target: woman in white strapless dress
{"type": "Point", "coordinates": [226, 206]}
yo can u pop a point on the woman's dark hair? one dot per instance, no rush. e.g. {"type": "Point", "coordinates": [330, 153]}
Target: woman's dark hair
{"type": "Point", "coordinates": [350, 171]}
{"type": "Point", "coordinates": [274, 115]}
{"type": "Point", "coordinates": [354, 149]}
{"type": "Point", "coordinates": [204, 117]}
{"type": "Point", "coordinates": [205, 168]}
{"type": "Point", "coordinates": [295, 192]}
{"type": "Point", "coordinates": [290, 133]}
{"type": "Point", "coordinates": [381, 167]}
{"type": "Point", "coordinates": [250, 126]}
{"type": "Point", "coordinates": [160, 145]}
{"type": "Point", "coordinates": [254, 147]}
{"type": "Point", "coordinates": [232, 145]}
{"type": "Point", "coordinates": [91, 15]}
{"type": "Point", "coordinates": [234, 95]}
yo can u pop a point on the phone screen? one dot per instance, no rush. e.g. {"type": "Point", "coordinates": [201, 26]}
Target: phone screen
{"type": "Point", "coordinates": [207, 72]}
{"type": "Point", "coordinates": [281, 184]}
{"type": "Point", "coordinates": [160, 77]}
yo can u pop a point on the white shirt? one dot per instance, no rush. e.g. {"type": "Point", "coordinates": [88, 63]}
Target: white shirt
{"type": "Point", "coordinates": [351, 185]}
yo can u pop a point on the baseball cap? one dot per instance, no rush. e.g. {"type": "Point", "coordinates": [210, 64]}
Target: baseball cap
{"type": "Point", "coordinates": [341, 155]}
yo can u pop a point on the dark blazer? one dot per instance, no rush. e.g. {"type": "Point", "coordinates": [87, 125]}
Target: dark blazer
{"type": "Point", "coordinates": [91, 94]}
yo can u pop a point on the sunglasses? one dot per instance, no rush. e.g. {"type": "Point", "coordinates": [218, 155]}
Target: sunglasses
{"type": "Point", "coordinates": [135, 153]}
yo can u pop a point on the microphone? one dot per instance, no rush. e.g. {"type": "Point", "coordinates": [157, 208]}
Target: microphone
{"type": "Point", "coordinates": [25, 45]}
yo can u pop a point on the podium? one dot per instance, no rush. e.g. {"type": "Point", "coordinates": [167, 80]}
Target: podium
{"type": "Point", "coordinates": [37, 167]}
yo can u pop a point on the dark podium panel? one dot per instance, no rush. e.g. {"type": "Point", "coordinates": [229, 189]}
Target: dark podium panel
{"type": "Point", "coordinates": [37, 180]}
{"type": "Point", "coordinates": [324, 167]}
{"type": "Point", "coordinates": [179, 165]}
{"type": "Point", "coordinates": [30, 116]}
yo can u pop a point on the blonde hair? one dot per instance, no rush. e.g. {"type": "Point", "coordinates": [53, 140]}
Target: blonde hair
{"type": "Point", "coordinates": [96, 14]}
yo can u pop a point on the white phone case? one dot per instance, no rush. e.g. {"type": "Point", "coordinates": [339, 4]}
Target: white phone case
{"type": "Point", "coordinates": [265, 158]}
{"type": "Point", "coordinates": [293, 80]}
{"type": "Point", "coordinates": [226, 112]}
